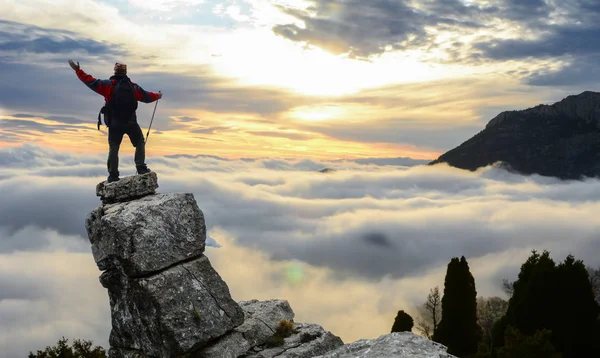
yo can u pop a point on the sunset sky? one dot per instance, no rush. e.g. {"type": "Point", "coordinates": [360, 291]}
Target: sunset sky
{"type": "Point", "coordinates": [291, 78]}
{"type": "Point", "coordinates": [258, 96]}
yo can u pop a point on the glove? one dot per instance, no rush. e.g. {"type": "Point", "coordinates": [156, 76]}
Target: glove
{"type": "Point", "coordinates": [74, 66]}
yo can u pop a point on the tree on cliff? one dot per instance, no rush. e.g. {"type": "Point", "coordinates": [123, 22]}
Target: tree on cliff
{"type": "Point", "coordinates": [403, 322]}
{"type": "Point", "coordinates": [554, 297]}
{"type": "Point", "coordinates": [80, 349]}
{"type": "Point", "coordinates": [458, 329]}
{"type": "Point", "coordinates": [430, 313]}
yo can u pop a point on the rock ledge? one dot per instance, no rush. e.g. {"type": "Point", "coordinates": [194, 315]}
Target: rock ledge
{"type": "Point", "coordinates": [128, 188]}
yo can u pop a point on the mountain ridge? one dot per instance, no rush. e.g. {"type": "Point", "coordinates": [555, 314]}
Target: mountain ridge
{"type": "Point", "coordinates": [559, 140]}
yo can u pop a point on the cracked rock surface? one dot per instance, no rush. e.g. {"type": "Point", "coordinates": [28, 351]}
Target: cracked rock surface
{"type": "Point", "coordinates": [128, 188]}
{"type": "Point", "coordinates": [397, 344]}
{"type": "Point", "coordinates": [260, 321]}
{"type": "Point", "coordinates": [148, 234]}
{"type": "Point", "coordinates": [173, 312]}
{"type": "Point", "coordinates": [166, 299]}
{"type": "Point", "coordinates": [309, 341]}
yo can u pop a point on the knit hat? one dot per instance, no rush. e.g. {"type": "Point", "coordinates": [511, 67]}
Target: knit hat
{"type": "Point", "coordinates": [120, 69]}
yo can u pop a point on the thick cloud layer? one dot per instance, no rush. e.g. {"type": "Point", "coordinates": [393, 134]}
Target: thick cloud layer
{"type": "Point", "coordinates": [285, 230]}
{"type": "Point", "coordinates": [37, 40]}
{"type": "Point", "coordinates": [407, 219]}
{"type": "Point", "coordinates": [45, 295]}
{"type": "Point", "coordinates": [466, 32]}
{"type": "Point", "coordinates": [366, 28]}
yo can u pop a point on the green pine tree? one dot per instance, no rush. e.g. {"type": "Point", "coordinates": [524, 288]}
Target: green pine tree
{"type": "Point", "coordinates": [558, 298]}
{"type": "Point", "coordinates": [458, 330]}
{"type": "Point", "coordinates": [538, 345]}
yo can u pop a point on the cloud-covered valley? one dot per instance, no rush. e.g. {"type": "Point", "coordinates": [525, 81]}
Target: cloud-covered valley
{"type": "Point", "coordinates": [289, 87]}
{"type": "Point", "coordinates": [375, 238]}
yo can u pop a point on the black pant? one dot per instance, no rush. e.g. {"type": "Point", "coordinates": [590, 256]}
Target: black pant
{"type": "Point", "coordinates": [115, 136]}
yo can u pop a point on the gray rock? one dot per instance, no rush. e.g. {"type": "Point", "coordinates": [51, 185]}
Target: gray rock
{"type": "Point", "coordinates": [147, 235]}
{"type": "Point", "coordinates": [397, 344]}
{"type": "Point", "coordinates": [128, 188]}
{"type": "Point", "coordinates": [260, 320]}
{"type": "Point", "coordinates": [166, 299]}
{"type": "Point", "coordinates": [232, 345]}
{"type": "Point", "coordinates": [262, 317]}
{"type": "Point", "coordinates": [171, 313]}
{"type": "Point", "coordinates": [309, 341]}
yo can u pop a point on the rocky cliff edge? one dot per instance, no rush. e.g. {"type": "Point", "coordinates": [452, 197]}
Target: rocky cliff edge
{"type": "Point", "coordinates": [167, 300]}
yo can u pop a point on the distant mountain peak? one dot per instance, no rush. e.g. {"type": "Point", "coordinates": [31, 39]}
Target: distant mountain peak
{"type": "Point", "coordinates": [585, 105]}
{"type": "Point", "coordinates": [560, 139]}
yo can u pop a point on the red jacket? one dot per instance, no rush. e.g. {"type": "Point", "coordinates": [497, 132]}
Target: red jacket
{"type": "Point", "coordinates": [105, 87]}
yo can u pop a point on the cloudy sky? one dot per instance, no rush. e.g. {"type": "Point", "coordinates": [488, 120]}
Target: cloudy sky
{"type": "Point", "coordinates": [259, 95]}
{"type": "Point", "coordinates": [293, 78]}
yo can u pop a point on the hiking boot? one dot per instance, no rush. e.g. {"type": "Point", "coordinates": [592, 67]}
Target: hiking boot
{"type": "Point", "coordinates": [112, 178]}
{"type": "Point", "coordinates": [143, 169]}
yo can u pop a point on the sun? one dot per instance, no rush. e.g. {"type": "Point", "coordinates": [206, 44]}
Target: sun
{"type": "Point", "coordinates": [260, 58]}
{"type": "Point", "coordinates": [317, 113]}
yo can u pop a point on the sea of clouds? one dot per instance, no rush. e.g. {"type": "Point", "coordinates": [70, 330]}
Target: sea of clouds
{"type": "Point", "coordinates": [347, 249]}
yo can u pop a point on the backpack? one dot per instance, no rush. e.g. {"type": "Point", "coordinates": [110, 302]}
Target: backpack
{"type": "Point", "coordinates": [122, 104]}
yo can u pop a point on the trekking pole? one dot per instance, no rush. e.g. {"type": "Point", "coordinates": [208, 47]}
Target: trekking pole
{"type": "Point", "coordinates": [150, 126]}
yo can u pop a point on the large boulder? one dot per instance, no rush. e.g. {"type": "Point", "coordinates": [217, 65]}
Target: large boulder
{"type": "Point", "coordinates": [166, 299]}
{"type": "Point", "coordinates": [173, 312]}
{"type": "Point", "coordinates": [148, 234]}
{"type": "Point", "coordinates": [397, 344]}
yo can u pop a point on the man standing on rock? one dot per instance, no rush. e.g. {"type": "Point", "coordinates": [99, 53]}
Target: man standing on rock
{"type": "Point", "coordinates": [121, 96]}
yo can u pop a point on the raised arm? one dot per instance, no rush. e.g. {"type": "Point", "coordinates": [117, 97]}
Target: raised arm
{"type": "Point", "coordinates": [99, 86]}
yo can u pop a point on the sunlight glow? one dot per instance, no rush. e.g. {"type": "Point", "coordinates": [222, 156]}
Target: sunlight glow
{"type": "Point", "coordinates": [317, 113]}
{"type": "Point", "coordinates": [253, 55]}
{"type": "Point", "coordinates": [163, 5]}
{"type": "Point", "coordinates": [300, 99]}
{"type": "Point", "coordinates": [257, 57]}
